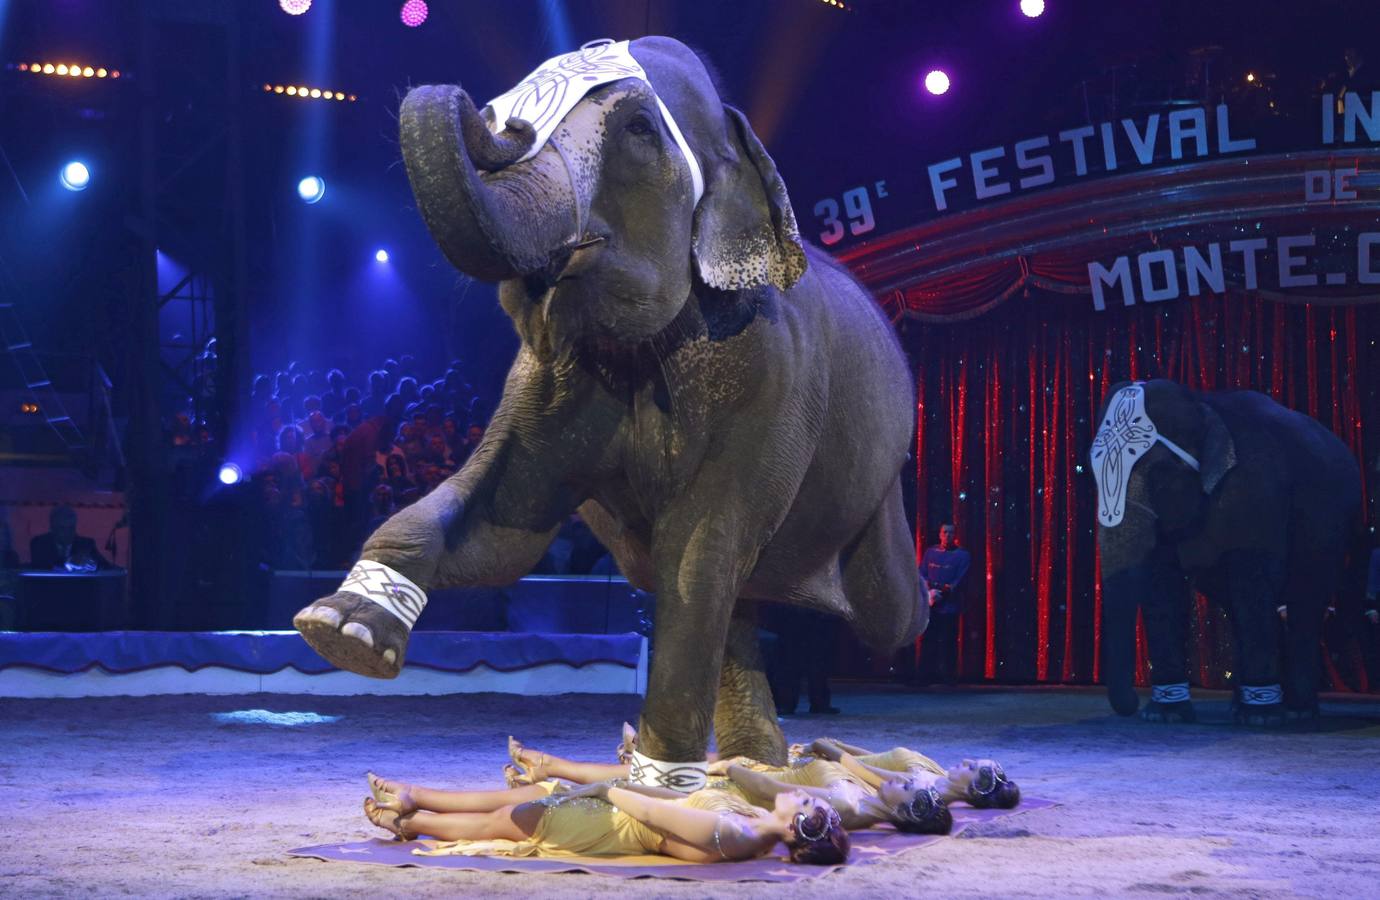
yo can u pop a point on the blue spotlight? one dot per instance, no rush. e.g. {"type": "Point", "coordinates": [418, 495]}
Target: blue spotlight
{"type": "Point", "coordinates": [75, 176]}
{"type": "Point", "coordinates": [229, 474]}
{"type": "Point", "coordinates": [381, 255]}
{"type": "Point", "coordinates": [312, 188]}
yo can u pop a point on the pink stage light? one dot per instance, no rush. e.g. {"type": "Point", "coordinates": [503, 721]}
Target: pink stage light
{"type": "Point", "coordinates": [1032, 8]}
{"type": "Point", "coordinates": [294, 7]}
{"type": "Point", "coordinates": [413, 13]}
{"type": "Point", "coordinates": [937, 82]}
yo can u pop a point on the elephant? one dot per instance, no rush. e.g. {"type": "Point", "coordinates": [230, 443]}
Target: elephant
{"type": "Point", "coordinates": [1232, 494]}
{"type": "Point", "coordinates": [724, 405]}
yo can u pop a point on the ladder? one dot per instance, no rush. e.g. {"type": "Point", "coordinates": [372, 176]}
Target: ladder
{"type": "Point", "coordinates": [19, 348]}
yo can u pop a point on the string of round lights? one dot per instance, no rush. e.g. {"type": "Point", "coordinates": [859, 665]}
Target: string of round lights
{"type": "Point", "coordinates": [307, 93]}
{"type": "Point", "coordinates": [67, 70]}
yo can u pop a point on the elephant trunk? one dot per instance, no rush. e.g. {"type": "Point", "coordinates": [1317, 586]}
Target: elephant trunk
{"type": "Point", "coordinates": [1120, 602]}
{"type": "Point", "coordinates": [1126, 585]}
{"type": "Point", "coordinates": [511, 222]}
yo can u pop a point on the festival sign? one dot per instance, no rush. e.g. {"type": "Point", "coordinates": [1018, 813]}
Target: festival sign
{"type": "Point", "coordinates": [1148, 210]}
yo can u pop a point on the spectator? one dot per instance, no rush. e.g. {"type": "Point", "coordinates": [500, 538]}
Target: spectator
{"type": "Point", "coordinates": [473, 436]}
{"type": "Point", "coordinates": [944, 567]}
{"type": "Point", "coordinates": [438, 452]}
{"type": "Point", "coordinates": [62, 547]}
{"type": "Point", "coordinates": [318, 439]}
{"type": "Point", "coordinates": [333, 400]}
{"type": "Point", "coordinates": [396, 477]}
{"type": "Point", "coordinates": [372, 404]}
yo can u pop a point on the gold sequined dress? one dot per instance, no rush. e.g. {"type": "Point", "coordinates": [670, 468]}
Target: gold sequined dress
{"type": "Point", "coordinates": [847, 793]}
{"type": "Point", "coordinates": [899, 759]}
{"type": "Point", "coordinates": [587, 826]}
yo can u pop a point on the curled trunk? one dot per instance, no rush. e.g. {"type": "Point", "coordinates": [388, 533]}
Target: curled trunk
{"type": "Point", "coordinates": [504, 225]}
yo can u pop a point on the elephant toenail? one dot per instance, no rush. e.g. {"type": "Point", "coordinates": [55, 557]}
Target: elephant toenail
{"type": "Point", "coordinates": [359, 632]}
{"type": "Point", "coordinates": [390, 655]}
{"type": "Point", "coordinates": [325, 615]}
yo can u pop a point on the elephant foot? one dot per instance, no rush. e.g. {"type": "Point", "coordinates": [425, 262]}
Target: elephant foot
{"type": "Point", "coordinates": [1270, 715]}
{"type": "Point", "coordinates": [355, 634]}
{"type": "Point", "coordinates": [1181, 711]}
{"type": "Point", "coordinates": [1306, 718]}
{"type": "Point", "coordinates": [1258, 705]}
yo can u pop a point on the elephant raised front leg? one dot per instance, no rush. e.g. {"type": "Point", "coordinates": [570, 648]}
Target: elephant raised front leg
{"type": "Point", "coordinates": [431, 544]}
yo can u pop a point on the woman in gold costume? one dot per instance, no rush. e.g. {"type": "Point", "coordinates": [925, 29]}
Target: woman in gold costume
{"type": "Point", "coordinates": [978, 782]}
{"type": "Point", "coordinates": [909, 803]}
{"type": "Point", "coordinates": [604, 819]}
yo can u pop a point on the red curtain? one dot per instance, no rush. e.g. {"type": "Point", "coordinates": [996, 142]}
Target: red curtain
{"type": "Point", "coordinates": [1007, 404]}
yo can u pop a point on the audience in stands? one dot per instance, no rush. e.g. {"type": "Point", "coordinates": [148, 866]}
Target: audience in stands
{"type": "Point", "coordinates": [333, 462]}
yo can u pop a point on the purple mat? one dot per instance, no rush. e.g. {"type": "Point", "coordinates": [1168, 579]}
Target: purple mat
{"type": "Point", "coordinates": [867, 846]}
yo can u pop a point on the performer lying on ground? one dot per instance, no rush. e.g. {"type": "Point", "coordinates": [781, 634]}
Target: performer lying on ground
{"type": "Point", "coordinates": [907, 802]}
{"type": "Point", "coordinates": [602, 819]}
{"type": "Point", "coordinates": [978, 782]}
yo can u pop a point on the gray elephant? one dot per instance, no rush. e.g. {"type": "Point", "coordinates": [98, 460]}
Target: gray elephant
{"type": "Point", "coordinates": [726, 407]}
{"type": "Point", "coordinates": [1230, 493]}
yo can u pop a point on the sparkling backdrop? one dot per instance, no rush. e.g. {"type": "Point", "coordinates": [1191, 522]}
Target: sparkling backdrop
{"type": "Point", "coordinates": [1008, 402]}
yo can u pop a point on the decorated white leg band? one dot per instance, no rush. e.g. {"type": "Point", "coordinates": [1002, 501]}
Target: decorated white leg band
{"type": "Point", "coordinates": [686, 777]}
{"type": "Point", "coordinates": [1261, 695]}
{"type": "Point", "coordinates": [388, 588]}
{"type": "Point", "coordinates": [1169, 693]}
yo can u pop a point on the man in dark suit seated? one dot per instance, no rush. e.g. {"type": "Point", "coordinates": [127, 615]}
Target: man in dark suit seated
{"type": "Point", "coordinates": [62, 548]}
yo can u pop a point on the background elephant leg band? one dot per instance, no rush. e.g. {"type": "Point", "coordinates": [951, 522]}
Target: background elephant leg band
{"type": "Point", "coordinates": [1169, 693]}
{"type": "Point", "coordinates": [1261, 695]}
{"type": "Point", "coordinates": [686, 777]}
{"type": "Point", "coordinates": [386, 587]}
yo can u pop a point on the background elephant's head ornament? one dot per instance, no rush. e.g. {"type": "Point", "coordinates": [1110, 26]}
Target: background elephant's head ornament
{"type": "Point", "coordinates": [1122, 441]}
{"type": "Point", "coordinates": [692, 379]}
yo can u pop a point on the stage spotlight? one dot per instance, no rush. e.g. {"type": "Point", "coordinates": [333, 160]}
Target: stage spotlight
{"type": "Point", "coordinates": [294, 7]}
{"type": "Point", "coordinates": [229, 474]}
{"type": "Point", "coordinates": [75, 176]}
{"type": "Point", "coordinates": [1032, 8]}
{"type": "Point", "coordinates": [61, 68]}
{"type": "Point", "coordinates": [101, 73]}
{"type": "Point", "coordinates": [937, 82]}
{"type": "Point", "coordinates": [312, 188]}
{"type": "Point", "coordinates": [87, 72]}
{"type": "Point", "coordinates": [413, 13]}
{"type": "Point", "coordinates": [1250, 77]}
{"type": "Point", "coordinates": [381, 255]}
{"type": "Point", "coordinates": [48, 69]}
{"type": "Point", "coordinates": [316, 93]}
{"type": "Point", "coordinates": [292, 90]}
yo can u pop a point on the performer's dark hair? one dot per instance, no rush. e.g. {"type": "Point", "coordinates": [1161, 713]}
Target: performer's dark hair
{"type": "Point", "coordinates": [1006, 796]}
{"type": "Point", "coordinates": [829, 849]}
{"type": "Point", "coordinates": [935, 819]}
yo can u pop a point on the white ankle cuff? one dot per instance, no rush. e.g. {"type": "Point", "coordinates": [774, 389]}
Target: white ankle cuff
{"type": "Point", "coordinates": [388, 588]}
{"type": "Point", "coordinates": [686, 777]}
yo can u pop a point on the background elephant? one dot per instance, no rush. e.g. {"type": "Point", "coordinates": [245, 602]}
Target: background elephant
{"type": "Point", "coordinates": [1265, 522]}
{"type": "Point", "coordinates": [726, 407]}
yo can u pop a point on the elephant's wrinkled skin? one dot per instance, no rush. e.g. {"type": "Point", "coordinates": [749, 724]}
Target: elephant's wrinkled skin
{"type": "Point", "coordinates": [1267, 521]}
{"type": "Point", "coordinates": [727, 408]}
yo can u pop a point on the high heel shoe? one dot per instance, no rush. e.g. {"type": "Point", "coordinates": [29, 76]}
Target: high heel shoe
{"type": "Point", "coordinates": [400, 802]}
{"type": "Point", "coordinates": [628, 746]}
{"type": "Point", "coordinates": [520, 773]}
{"type": "Point", "coordinates": [377, 815]}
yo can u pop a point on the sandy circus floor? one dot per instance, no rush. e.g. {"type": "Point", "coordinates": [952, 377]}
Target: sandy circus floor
{"type": "Point", "coordinates": [157, 797]}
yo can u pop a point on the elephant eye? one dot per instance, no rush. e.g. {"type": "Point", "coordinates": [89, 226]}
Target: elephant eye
{"type": "Point", "coordinates": [640, 125]}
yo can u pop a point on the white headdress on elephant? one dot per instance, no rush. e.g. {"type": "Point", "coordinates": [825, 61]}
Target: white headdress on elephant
{"type": "Point", "coordinates": [1124, 438]}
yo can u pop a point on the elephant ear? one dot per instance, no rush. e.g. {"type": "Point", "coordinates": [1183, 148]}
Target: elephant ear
{"type": "Point", "coordinates": [1218, 455]}
{"type": "Point", "coordinates": [745, 231]}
